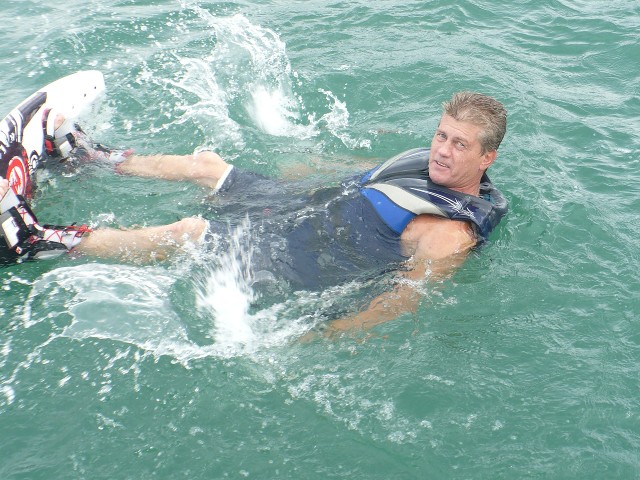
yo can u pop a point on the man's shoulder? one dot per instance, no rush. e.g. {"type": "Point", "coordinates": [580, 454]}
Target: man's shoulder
{"type": "Point", "coordinates": [437, 237]}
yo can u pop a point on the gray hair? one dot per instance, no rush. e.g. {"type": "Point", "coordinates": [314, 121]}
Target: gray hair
{"type": "Point", "coordinates": [483, 111]}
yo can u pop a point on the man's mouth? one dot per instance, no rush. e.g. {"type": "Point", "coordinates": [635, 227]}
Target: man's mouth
{"type": "Point", "coordinates": [440, 164]}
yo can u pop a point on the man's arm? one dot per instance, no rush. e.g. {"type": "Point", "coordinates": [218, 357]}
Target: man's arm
{"type": "Point", "coordinates": [441, 246]}
{"type": "Point", "coordinates": [339, 168]}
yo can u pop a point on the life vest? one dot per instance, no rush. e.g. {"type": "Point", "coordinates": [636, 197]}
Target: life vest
{"type": "Point", "coordinates": [400, 189]}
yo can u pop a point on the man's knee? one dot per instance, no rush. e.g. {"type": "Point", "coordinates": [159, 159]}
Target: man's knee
{"type": "Point", "coordinates": [210, 160]}
{"type": "Point", "coordinates": [188, 229]}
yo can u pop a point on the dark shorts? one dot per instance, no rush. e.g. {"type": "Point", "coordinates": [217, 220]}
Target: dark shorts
{"type": "Point", "coordinates": [242, 181]}
{"type": "Point", "coordinates": [311, 238]}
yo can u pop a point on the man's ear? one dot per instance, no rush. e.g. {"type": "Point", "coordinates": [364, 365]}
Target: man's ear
{"type": "Point", "coordinates": [488, 158]}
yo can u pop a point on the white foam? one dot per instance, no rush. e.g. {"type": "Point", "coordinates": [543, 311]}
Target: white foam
{"type": "Point", "coordinates": [257, 61]}
{"type": "Point", "coordinates": [276, 113]}
{"type": "Point", "coordinates": [249, 67]}
{"type": "Point", "coordinates": [133, 305]}
{"type": "Point", "coordinates": [337, 122]}
{"type": "Point", "coordinates": [198, 77]}
{"type": "Point", "coordinates": [226, 299]}
{"type": "Point", "coordinates": [120, 302]}
{"type": "Point", "coordinates": [9, 394]}
{"type": "Point", "coordinates": [225, 296]}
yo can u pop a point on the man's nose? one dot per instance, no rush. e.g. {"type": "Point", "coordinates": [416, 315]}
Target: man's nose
{"type": "Point", "coordinates": [445, 149]}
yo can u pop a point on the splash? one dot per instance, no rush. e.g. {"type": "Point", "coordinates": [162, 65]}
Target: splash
{"type": "Point", "coordinates": [225, 297]}
{"type": "Point", "coordinates": [337, 122]}
{"type": "Point", "coordinates": [136, 305]}
{"type": "Point", "coordinates": [256, 62]}
{"type": "Point", "coordinates": [276, 113]}
{"type": "Point", "coordinates": [212, 107]}
{"type": "Point", "coordinates": [225, 294]}
{"type": "Point", "coordinates": [125, 303]}
{"type": "Point", "coordinates": [247, 76]}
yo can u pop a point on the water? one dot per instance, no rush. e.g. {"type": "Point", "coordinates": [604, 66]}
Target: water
{"type": "Point", "coordinates": [522, 365]}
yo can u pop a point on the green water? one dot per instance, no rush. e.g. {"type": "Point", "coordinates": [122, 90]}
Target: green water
{"type": "Point", "coordinates": [523, 365]}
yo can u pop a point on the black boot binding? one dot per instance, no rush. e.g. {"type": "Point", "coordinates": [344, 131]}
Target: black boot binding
{"type": "Point", "coordinates": [22, 237]}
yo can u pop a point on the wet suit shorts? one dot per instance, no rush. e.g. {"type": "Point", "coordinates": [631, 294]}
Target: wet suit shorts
{"type": "Point", "coordinates": [312, 238]}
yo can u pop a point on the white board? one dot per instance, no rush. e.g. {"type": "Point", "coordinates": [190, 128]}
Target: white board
{"type": "Point", "coordinates": [22, 132]}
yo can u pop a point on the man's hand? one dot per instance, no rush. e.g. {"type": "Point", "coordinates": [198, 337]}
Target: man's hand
{"type": "Point", "coordinates": [4, 187]}
{"type": "Point", "coordinates": [440, 246]}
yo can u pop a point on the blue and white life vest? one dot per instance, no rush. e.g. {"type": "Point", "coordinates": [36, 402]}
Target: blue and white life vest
{"type": "Point", "coordinates": [400, 189]}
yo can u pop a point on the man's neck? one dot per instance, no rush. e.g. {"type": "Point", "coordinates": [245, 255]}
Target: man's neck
{"type": "Point", "coordinates": [469, 190]}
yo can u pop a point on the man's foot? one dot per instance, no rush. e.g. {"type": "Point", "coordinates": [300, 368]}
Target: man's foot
{"type": "Point", "coordinates": [58, 131]}
{"type": "Point", "coordinates": [25, 237]}
{"type": "Point", "coordinates": [65, 139]}
{"type": "Point", "coordinates": [86, 151]}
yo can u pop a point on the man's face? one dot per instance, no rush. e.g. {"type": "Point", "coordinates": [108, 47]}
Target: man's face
{"type": "Point", "coordinates": [456, 160]}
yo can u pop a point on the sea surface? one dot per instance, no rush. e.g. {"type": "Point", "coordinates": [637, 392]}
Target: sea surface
{"type": "Point", "coordinates": [523, 364]}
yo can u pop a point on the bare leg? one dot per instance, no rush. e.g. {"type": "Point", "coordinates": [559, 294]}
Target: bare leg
{"type": "Point", "coordinates": [144, 244]}
{"type": "Point", "coordinates": [204, 168]}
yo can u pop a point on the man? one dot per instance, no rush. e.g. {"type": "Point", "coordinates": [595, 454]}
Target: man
{"type": "Point", "coordinates": [419, 213]}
